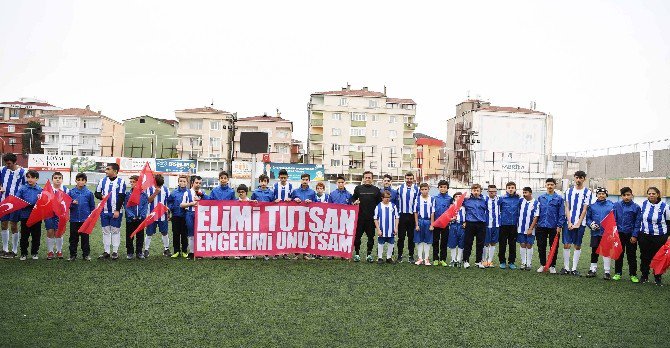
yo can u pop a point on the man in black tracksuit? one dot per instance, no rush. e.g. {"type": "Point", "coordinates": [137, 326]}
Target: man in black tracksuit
{"type": "Point", "coordinates": [367, 197]}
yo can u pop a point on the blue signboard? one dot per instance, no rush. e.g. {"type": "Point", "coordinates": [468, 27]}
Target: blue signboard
{"type": "Point", "coordinates": [175, 166]}
{"type": "Point", "coordinates": [294, 170]}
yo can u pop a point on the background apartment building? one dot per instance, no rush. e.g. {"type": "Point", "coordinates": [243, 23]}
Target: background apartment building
{"type": "Point", "coordinates": [148, 136]}
{"type": "Point", "coordinates": [280, 134]}
{"type": "Point", "coordinates": [206, 134]}
{"type": "Point", "coordinates": [430, 158]}
{"type": "Point", "coordinates": [351, 131]}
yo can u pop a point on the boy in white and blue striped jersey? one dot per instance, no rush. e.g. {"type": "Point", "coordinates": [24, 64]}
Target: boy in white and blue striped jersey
{"type": "Point", "coordinates": [111, 216]}
{"type": "Point", "coordinates": [424, 217]}
{"type": "Point", "coordinates": [282, 189]}
{"type": "Point", "coordinates": [577, 201]}
{"type": "Point", "coordinates": [12, 177]}
{"type": "Point", "coordinates": [386, 222]}
{"type": "Point", "coordinates": [528, 215]}
{"type": "Point", "coordinates": [493, 226]}
{"type": "Point", "coordinates": [158, 194]}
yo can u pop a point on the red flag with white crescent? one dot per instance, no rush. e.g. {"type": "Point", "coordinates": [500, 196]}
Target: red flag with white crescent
{"type": "Point", "coordinates": [446, 217]}
{"type": "Point", "coordinates": [11, 204]}
{"type": "Point", "coordinates": [146, 179]}
{"type": "Point", "coordinates": [61, 206]}
{"type": "Point", "coordinates": [610, 243]}
{"type": "Point", "coordinates": [89, 223]}
{"type": "Point", "coordinates": [43, 208]}
{"type": "Point", "coordinates": [155, 214]}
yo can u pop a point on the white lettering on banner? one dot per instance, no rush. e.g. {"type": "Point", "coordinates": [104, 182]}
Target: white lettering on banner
{"type": "Point", "coordinates": [246, 241]}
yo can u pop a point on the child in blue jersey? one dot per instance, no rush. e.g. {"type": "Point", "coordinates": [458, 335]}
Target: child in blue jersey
{"type": "Point", "coordinates": [509, 204]}
{"type": "Point", "coordinates": [577, 201]}
{"type": "Point", "coordinates": [12, 176]}
{"type": "Point", "coordinates": [30, 192]}
{"type": "Point", "coordinates": [189, 202]}
{"type": "Point", "coordinates": [179, 230]}
{"type": "Point", "coordinates": [304, 193]}
{"type": "Point", "coordinates": [134, 217]}
{"type": "Point", "coordinates": [476, 217]}
{"type": "Point", "coordinates": [111, 216]}
{"type": "Point", "coordinates": [223, 192]}
{"type": "Point", "coordinates": [492, 227]}
{"type": "Point", "coordinates": [653, 231]}
{"type": "Point", "coordinates": [440, 235]}
{"type": "Point", "coordinates": [456, 241]}
{"type": "Point", "coordinates": [156, 195]}
{"type": "Point", "coordinates": [528, 216]}
{"type": "Point", "coordinates": [595, 214]}
{"type": "Point", "coordinates": [628, 216]}
{"type": "Point", "coordinates": [282, 189]}
{"type": "Point", "coordinates": [321, 195]}
{"type": "Point", "coordinates": [262, 193]}
{"type": "Point", "coordinates": [424, 216]}
{"type": "Point", "coordinates": [83, 204]}
{"type": "Point", "coordinates": [340, 195]}
{"type": "Point", "coordinates": [386, 222]}
{"type": "Point", "coordinates": [51, 224]}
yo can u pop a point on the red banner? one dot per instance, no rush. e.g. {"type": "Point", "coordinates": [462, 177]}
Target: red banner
{"type": "Point", "coordinates": [232, 228]}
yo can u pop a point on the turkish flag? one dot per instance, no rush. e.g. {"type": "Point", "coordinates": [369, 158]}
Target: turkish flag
{"type": "Point", "coordinates": [155, 214]}
{"type": "Point", "coordinates": [610, 243]}
{"type": "Point", "coordinates": [11, 204]}
{"type": "Point", "coordinates": [44, 206]}
{"type": "Point", "coordinates": [552, 252]}
{"type": "Point", "coordinates": [89, 223]}
{"type": "Point", "coordinates": [446, 217]}
{"type": "Point", "coordinates": [61, 207]}
{"type": "Point", "coordinates": [661, 260]}
{"type": "Point", "coordinates": [145, 181]}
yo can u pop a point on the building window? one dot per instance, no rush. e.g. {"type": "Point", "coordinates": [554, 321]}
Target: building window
{"type": "Point", "coordinates": [337, 147]}
{"type": "Point", "coordinates": [357, 132]}
{"type": "Point", "coordinates": [390, 105]}
{"type": "Point", "coordinates": [11, 128]}
{"type": "Point", "coordinates": [375, 133]}
{"type": "Point", "coordinates": [407, 150]}
{"type": "Point", "coordinates": [392, 164]}
{"type": "Point", "coordinates": [356, 116]}
{"type": "Point", "coordinates": [215, 125]}
{"type": "Point", "coordinates": [372, 103]}
{"type": "Point", "coordinates": [375, 118]}
{"type": "Point", "coordinates": [30, 112]}
{"type": "Point", "coordinates": [195, 141]}
{"type": "Point", "coordinates": [282, 149]}
{"type": "Point", "coordinates": [343, 101]}
{"type": "Point", "coordinates": [52, 138]}
{"type": "Point", "coordinates": [67, 139]}
{"type": "Point", "coordinates": [70, 123]}
{"type": "Point", "coordinates": [141, 121]}
{"type": "Point", "coordinates": [52, 122]}
{"type": "Point", "coordinates": [282, 134]}
{"type": "Point", "coordinates": [14, 113]}
{"type": "Point", "coordinates": [392, 150]}
{"type": "Point", "coordinates": [373, 164]}
{"type": "Point", "coordinates": [12, 141]}
{"type": "Point", "coordinates": [336, 132]}
{"type": "Point", "coordinates": [215, 143]}
{"type": "Point", "coordinates": [335, 163]}
{"type": "Point", "coordinates": [393, 134]}
{"type": "Point", "coordinates": [392, 119]}
{"type": "Point", "coordinates": [195, 124]}
{"type": "Point", "coordinates": [337, 116]}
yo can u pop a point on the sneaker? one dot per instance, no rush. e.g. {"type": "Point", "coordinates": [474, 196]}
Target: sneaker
{"type": "Point", "coordinates": [369, 259]}
{"type": "Point", "coordinates": [59, 255]}
{"type": "Point", "coordinates": [540, 269]}
{"type": "Point", "coordinates": [115, 256]}
{"type": "Point", "coordinates": [400, 259]}
{"type": "Point", "coordinates": [146, 253]}
{"type": "Point", "coordinates": [523, 267]}
{"type": "Point", "coordinates": [175, 255]}
{"type": "Point", "coordinates": [23, 257]}
{"type": "Point", "coordinates": [410, 260]}
{"type": "Point", "coordinates": [591, 274]}
{"type": "Point", "coordinates": [436, 263]}
{"type": "Point", "coordinates": [266, 258]}
{"type": "Point", "coordinates": [237, 257]}
{"type": "Point", "coordinates": [35, 257]}
{"type": "Point", "coordinates": [72, 258]}
{"type": "Point", "coordinates": [658, 281]}
{"type": "Point", "coordinates": [443, 263]}
{"type": "Point", "coordinates": [552, 270]}
{"type": "Point", "coordinates": [503, 265]}
{"type": "Point", "coordinates": [607, 276]}
{"type": "Point", "coordinates": [166, 252]}
{"type": "Point", "coordinates": [130, 256]}
{"type": "Point", "coordinates": [418, 262]}
{"type": "Point", "coordinates": [644, 279]}
{"type": "Point", "coordinates": [633, 278]}
{"type": "Point", "coordinates": [466, 264]}
{"type": "Point", "coordinates": [140, 256]}
{"type": "Point", "coordinates": [427, 262]}
{"type": "Point", "coordinates": [512, 266]}
{"type": "Point", "coordinates": [380, 261]}
{"type": "Point", "coordinates": [575, 273]}
{"type": "Point", "coordinates": [9, 255]}
{"type": "Point", "coordinates": [357, 258]}
{"type": "Point", "coordinates": [564, 271]}
{"type": "Point", "coordinates": [87, 258]}
{"type": "Point", "coordinates": [452, 264]}
{"type": "Point", "coordinates": [185, 255]}
{"type": "Point", "coordinates": [275, 257]}
{"type": "Point", "coordinates": [190, 256]}
{"type": "Point", "coordinates": [50, 255]}
{"type": "Point", "coordinates": [480, 265]}
{"type": "Point", "coordinates": [618, 277]}
{"type": "Point", "coordinates": [390, 260]}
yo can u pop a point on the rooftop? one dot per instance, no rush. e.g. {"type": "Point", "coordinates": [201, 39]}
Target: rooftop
{"type": "Point", "coordinates": [207, 109]}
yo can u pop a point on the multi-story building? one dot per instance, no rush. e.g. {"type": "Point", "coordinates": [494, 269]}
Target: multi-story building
{"type": "Point", "coordinates": [496, 144]}
{"type": "Point", "coordinates": [280, 133]}
{"type": "Point", "coordinates": [351, 131]}
{"type": "Point", "coordinates": [15, 117]}
{"type": "Point", "coordinates": [206, 134]}
{"type": "Point", "coordinates": [430, 157]}
{"type": "Point", "coordinates": [148, 136]}
{"type": "Point", "coordinates": [25, 108]}
{"type": "Point", "coordinates": [82, 132]}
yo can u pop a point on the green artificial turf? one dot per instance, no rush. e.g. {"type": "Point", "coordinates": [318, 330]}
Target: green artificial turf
{"type": "Point", "coordinates": [167, 302]}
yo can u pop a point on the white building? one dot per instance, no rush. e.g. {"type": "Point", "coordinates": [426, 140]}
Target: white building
{"type": "Point", "coordinates": [280, 133]}
{"type": "Point", "coordinates": [493, 145]}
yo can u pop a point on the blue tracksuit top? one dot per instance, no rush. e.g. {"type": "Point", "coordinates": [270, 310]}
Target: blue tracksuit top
{"type": "Point", "coordinates": [552, 211]}
{"type": "Point", "coordinates": [596, 213]}
{"type": "Point", "coordinates": [510, 208]}
{"type": "Point", "coordinates": [85, 204]}
{"type": "Point", "coordinates": [628, 217]}
{"type": "Point", "coordinates": [475, 209]}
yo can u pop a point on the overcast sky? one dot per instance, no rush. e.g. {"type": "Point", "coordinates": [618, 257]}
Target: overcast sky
{"type": "Point", "coordinates": [602, 69]}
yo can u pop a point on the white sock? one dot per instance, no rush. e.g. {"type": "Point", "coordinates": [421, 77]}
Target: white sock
{"type": "Point", "coordinates": [59, 244]}
{"type": "Point", "coordinates": [492, 252]}
{"type": "Point", "coordinates": [5, 240]}
{"type": "Point", "coordinates": [190, 245]}
{"type": "Point", "coordinates": [594, 266]}
{"type": "Point", "coordinates": [606, 264]}
{"type": "Point", "coordinates": [419, 251]}
{"type": "Point", "coordinates": [50, 245]}
{"type": "Point", "coordinates": [529, 256]}
{"type": "Point", "coordinates": [575, 259]}
{"type": "Point", "coordinates": [389, 250]}
{"type": "Point", "coordinates": [106, 239]}
{"type": "Point", "coordinates": [485, 253]}
{"type": "Point", "coordinates": [426, 251]}
{"type": "Point", "coordinates": [116, 239]}
{"type": "Point", "coordinates": [566, 259]}
{"type": "Point", "coordinates": [166, 241]}
{"type": "Point", "coordinates": [380, 250]}
{"type": "Point", "coordinates": [147, 242]}
{"type": "Point", "coordinates": [15, 242]}
{"type": "Point", "coordinates": [459, 255]}
{"type": "Point", "coordinates": [522, 251]}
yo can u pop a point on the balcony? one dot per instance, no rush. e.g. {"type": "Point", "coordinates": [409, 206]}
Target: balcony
{"type": "Point", "coordinates": [408, 141]}
{"type": "Point", "coordinates": [410, 126]}
{"type": "Point", "coordinates": [355, 155]}
{"type": "Point", "coordinates": [316, 153]}
{"type": "Point", "coordinates": [357, 139]}
{"type": "Point", "coordinates": [317, 115]}
{"type": "Point", "coordinates": [358, 123]}
{"type": "Point", "coordinates": [407, 157]}
{"type": "Point", "coordinates": [317, 122]}
{"type": "Point", "coordinates": [317, 138]}
{"type": "Point", "coordinates": [51, 145]}
{"type": "Point", "coordinates": [49, 129]}
{"type": "Point", "coordinates": [92, 131]}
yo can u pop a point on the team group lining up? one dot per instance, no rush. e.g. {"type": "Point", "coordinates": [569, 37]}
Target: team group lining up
{"type": "Point", "coordinates": [407, 213]}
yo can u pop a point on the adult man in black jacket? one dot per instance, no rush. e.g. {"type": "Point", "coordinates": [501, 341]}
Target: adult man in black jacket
{"type": "Point", "coordinates": [367, 196]}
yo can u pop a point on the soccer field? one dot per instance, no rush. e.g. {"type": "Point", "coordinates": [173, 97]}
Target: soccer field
{"type": "Point", "coordinates": [167, 302]}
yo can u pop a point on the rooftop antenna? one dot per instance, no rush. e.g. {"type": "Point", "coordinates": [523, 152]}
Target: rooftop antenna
{"type": "Point", "coordinates": [212, 104]}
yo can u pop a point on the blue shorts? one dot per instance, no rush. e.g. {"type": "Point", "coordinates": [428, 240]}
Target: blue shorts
{"type": "Point", "coordinates": [491, 235]}
{"type": "Point", "coordinates": [384, 240]}
{"type": "Point", "coordinates": [424, 234]}
{"type": "Point", "coordinates": [106, 219]}
{"type": "Point", "coordinates": [162, 227]}
{"type": "Point", "coordinates": [190, 221]}
{"type": "Point", "coordinates": [573, 236]}
{"type": "Point", "coordinates": [523, 238]}
{"type": "Point", "coordinates": [456, 236]}
{"type": "Point", "coordinates": [51, 223]}
{"type": "Point", "coordinates": [13, 217]}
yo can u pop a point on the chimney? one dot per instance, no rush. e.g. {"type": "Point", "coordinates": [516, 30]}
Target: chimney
{"type": "Point", "coordinates": [365, 89]}
{"type": "Point", "coordinates": [265, 114]}
{"type": "Point", "coordinates": [88, 107]}
{"type": "Point", "coordinates": [385, 90]}
{"type": "Point", "coordinates": [99, 112]}
{"type": "Point", "coordinates": [348, 87]}
{"type": "Point", "coordinates": [278, 113]}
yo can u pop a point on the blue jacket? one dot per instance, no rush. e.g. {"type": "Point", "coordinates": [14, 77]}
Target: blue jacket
{"type": "Point", "coordinates": [510, 208]}
{"type": "Point", "coordinates": [174, 201]}
{"type": "Point", "coordinates": [304, 194]}
{"type": "Point", "coordinates": [442, 203]}
{"type": "Point", "coordinates": [475, 209]}
{"type": "Point", "coordinates": [262, 195]}
{"type": "Point", "coordinates": [222, 193]}
{"type": "Point", "coordinates": [394, 194]}
{"type": "Point", "coordinates": [340, 197]}
{"type": "Point", "coordinates": [552, 211]}
{"type": "Point", "coordinates": [29, 194]}
{"type": "Point", "coordinates": [85, 204]}
{"type": "Point", "coordinates": [596, 213]}
{"type": "Point", "coordinates": [628, 217]}
{"type": "Point", "coordinates": [139, 211]}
